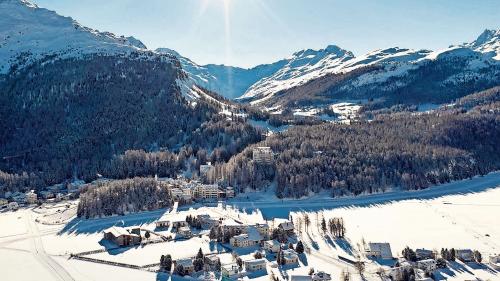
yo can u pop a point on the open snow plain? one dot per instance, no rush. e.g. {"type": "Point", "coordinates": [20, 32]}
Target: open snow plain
{"type": "Point", "coordinates": [35, 244]}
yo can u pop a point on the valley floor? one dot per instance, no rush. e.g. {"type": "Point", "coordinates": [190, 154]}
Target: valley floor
{"type": "Point", "coordinates": [35, 243]}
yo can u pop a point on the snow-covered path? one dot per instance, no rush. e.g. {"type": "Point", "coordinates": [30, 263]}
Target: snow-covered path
{"type": "Point", "coordinates": [38, 250]}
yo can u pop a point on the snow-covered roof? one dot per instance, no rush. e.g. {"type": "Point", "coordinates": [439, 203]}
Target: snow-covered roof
{"type": "Point", "coordinates": [184, 262]}
{"type": "Point", "coordinates": [272, 243]}
{"type": "Point", "coordinates": [241, 237]}
{"type": "Point", "coordinates": [230, 267]}
{"type": "Point", "coordinates": [427, 261]}
{"type": "Point", "coordinates": [212, 258]}
{"type": "Point", "coordinates": [289, 254]}
{"type": "Point", "coordinates": [231, 222]}
{"type": "Point", "coordinates": [383, 248]}
{"type": "Point", "coordinates": [117, 231]}
{"type": "Point", "coordinates": [423, 251]}
{"type": "Point", "coordinates": [184, 229]}
{"type": "Point", "coordinates": [253, 234]}
{"type": "Point", "coordinates": [286, 225]}
{"type": "Point", "coordinates": [255, 262]}
{"type": "Point", "coordinates": [300, 278]}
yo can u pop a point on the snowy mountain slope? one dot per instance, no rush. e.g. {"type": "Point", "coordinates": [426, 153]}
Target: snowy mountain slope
{"type": "Point", "coordinates": [301, 67]}
{"type": "Point", "coordinates": [30, 33]}
{"type": "Point", "coordinates": [320, 65]}
{"type": "Point", "coordinates": [381, 73]}
{"type": "Point", "coordinates": [475, 57]}
{"type": "Point", "coordinates": [229, 81]}
{"type": "Point", "coordinates": [488, 43]}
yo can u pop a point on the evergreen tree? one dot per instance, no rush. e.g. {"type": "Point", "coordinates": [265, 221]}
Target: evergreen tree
{"type": "Point", "coordinates": [213, 233]}
{"type": "Point", "coordinates": [453, 254]}
{"type": "Point", "coordinates": [299, 248]}
{"type": "Point", "coordinates": [477, 256]}
{"type": "Point", "coordinates": [409, 254]}
{"type": "Point", "coordinates": [323, 225]}
{"type": "Point", "coordinates": [166, 263]}
{"type": "Point", "coordinates": [239, 262]}
{"type": "Point", "coordinates": [307, 221]}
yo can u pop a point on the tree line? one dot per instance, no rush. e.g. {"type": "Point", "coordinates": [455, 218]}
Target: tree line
{"type": "Point", "coordinates": [402, 150]}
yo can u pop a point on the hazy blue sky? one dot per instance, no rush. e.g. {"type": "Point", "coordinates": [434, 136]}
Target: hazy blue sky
{"type": "Point", "coordinates": [261, 31]}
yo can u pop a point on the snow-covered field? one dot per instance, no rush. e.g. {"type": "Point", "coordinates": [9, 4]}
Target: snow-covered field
{"type": "Point", "coordinates": [460, 215]}
{"type": "Point", "coordinates": [464, 221]}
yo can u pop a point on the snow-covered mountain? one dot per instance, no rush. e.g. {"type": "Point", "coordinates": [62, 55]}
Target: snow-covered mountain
{"type": "Point", "coordinates": [319, 76]}
{"type": "Point", "coordinates": [264, 84]}
{"type": "Point", "coordinates": [28, 33]}
{"type": "Point", "coordinates": [488, 43]}
{"type": "Point", "coordinates": [300, 67]}
{"type": "Point", "coordinates": [308, 65]}
{"type": "Point", "coordinates": [229, 81]}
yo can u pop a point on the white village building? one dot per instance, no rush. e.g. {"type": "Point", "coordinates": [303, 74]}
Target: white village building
{"type": "Point", "coordinates": [230, 270]}
{"type": "Point", "coordinates": [286, 226]}
{"type": "Point", "coordinates": [251, 238]}
{"type": "Point", "coordinates": [465, 255]}
{"type": "Point", "coordinates": [31, 197]}
{"type": "Point", "coordinates": [428, 265]}
{"type": "Point", "coordinates": [262, 154]}
{"type": "Point", "coordinates": [206, 191]}
{"type": "Point", "coordinates": [272, 246]}
{"type": "Point", "coordinates": [121, 236]}
{"type": "Point", "coordinates": [290, 256]}
{"type": "Point", "coordinates": [255, 265]}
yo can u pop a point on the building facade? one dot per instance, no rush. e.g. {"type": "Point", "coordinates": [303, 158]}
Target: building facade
{"type": "Point", "coordinates": [121, 237]}
{"type": "Point", "coordinates": [255, 265]}
{"type": "Point", "coordinates": [263, 155]}
{"type": "Point", "coordinates": [290, 256]}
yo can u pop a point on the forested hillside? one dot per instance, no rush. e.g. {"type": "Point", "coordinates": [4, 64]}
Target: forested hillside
{"type": "Point", "coordinates": [68, 118]}
{"type": "Point", "coordinates": [408, 151]}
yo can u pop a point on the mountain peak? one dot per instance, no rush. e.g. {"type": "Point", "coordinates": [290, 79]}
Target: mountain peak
{"type": "Point", "coordinates": [330, 49]}
{"type": "Point", "coordinates": [28, 30]}
{"type": "Point", "coordinates": [487, 36]}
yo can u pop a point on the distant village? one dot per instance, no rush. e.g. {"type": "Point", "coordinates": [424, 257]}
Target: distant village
{"type": "Point", "coordinates": [253, 249]}
{"type": "Point", "coordinates": [183, 190]}
{"type": "Point", "coordinates": [273, 248]}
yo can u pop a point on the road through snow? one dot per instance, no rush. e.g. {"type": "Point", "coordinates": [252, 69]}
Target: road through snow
{"type": "Point", "coordinates": [38, 251]}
